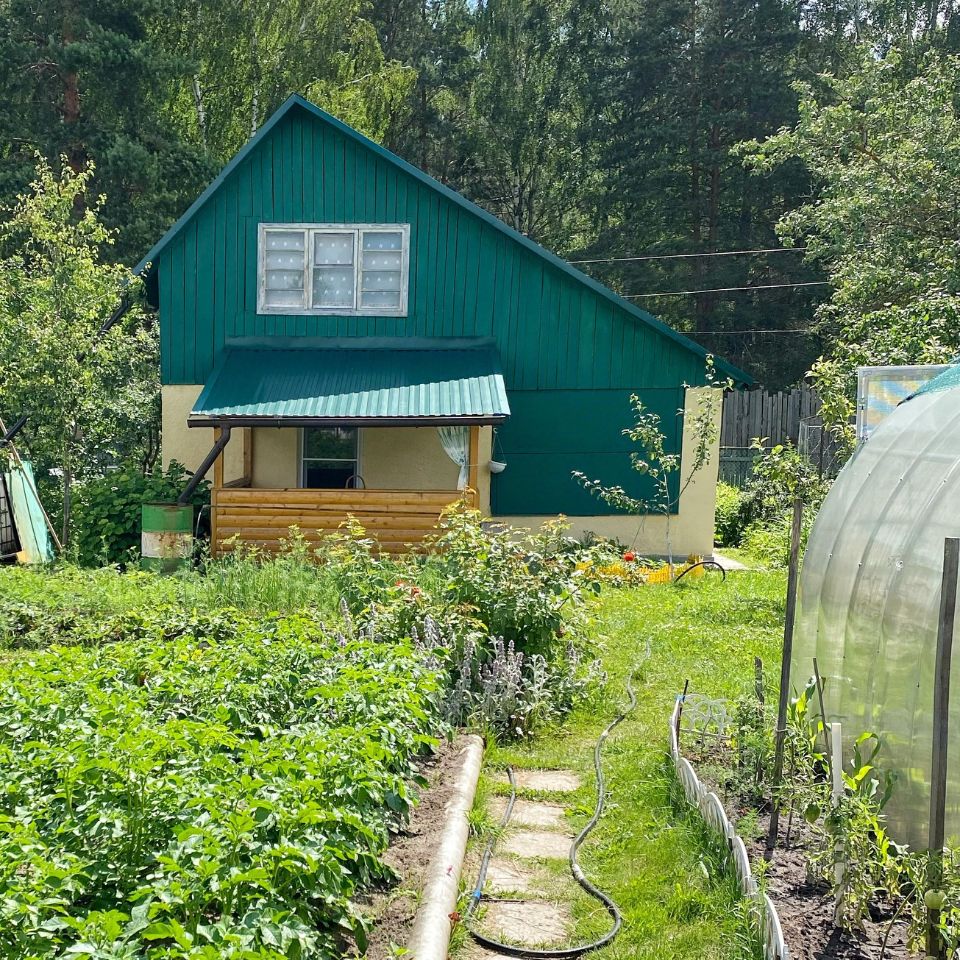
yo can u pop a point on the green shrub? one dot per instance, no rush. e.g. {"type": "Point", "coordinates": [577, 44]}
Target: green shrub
{"type": "Point", "coordinates": [106, 512]}
{"type": "Point", "coordinates": [780, 476]}
{"type": "Point", "coordinates": [729, 522]}
{"type": "Point", "coordinates": [768, 540]}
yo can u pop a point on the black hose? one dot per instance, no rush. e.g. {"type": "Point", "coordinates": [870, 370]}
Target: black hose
{"type": "Point", "coordinates": [565, 953]}
{"type": "Point", "coordinates": [706, 564]}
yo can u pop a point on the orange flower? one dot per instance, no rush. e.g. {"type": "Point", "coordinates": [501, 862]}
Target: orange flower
{"type": "Point", "coordinates": [629, 556]}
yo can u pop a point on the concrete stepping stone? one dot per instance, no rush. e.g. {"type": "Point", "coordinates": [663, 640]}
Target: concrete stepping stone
{"type": "Point", "coordinates": [536, 843]}
{"type": "Point", "coordinates": [531, 922]}
{"type": "Point", "coordinates": [559, 781]}
{"type": "Point", "coordinates": [504, 876]}
{"type": "Point", "coordinates": [530, 813]}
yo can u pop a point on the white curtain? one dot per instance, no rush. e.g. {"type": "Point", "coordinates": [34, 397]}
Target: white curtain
{"type": "Point", "coordinates": [456, 444]}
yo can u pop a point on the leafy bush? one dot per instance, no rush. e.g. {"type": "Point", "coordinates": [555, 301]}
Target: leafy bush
{"type": "Point", "coordinates": [729, 520]}
{"type": "Point", "coordinates": [780, 475]}
{"type": "Point", "coordinates": [106, 512]}
{"type": "Point", "coordinates": [213, 787]}
{"type": "Point", "coordinates": [526, 589]}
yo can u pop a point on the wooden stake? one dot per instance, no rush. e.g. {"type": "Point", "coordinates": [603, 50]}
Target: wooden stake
{"type": "Point", "coordinates": [941, 723]}
{"type": "Point", "coordinates": [828, 750]}
{"type": "Point", "coordinates": [789, 618]}
{"type": "Point", "coordinates": [835, 753]}
{"type": "Point", "coordinates": [758, 678]}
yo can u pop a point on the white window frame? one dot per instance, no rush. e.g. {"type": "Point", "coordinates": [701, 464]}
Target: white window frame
{"type": "Point", "coordinates": [307, 308]}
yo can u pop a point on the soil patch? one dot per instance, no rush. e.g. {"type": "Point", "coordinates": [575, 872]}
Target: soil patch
{"type": "Point", "coordinates": [806, 911]}
{"type": "Point", "coordinates": [410, 853]}
{"type": "Point", "coordinates": [805, 906]}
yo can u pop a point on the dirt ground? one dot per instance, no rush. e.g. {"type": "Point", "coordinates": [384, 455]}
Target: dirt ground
{"type": "Point", "coordinates": [409, 855]}
{"type": "Point", "coordinates": [806, 911]}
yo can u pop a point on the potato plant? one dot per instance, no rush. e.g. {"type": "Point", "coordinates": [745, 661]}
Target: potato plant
{"type": "Point", "coordinates": [214, 786]}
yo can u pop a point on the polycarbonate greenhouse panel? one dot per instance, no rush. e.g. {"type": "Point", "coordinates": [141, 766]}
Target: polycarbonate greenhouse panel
{"type": "Point", "coordinates": [870, 595]}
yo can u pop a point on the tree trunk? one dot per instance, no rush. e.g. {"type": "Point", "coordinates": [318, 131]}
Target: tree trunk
{"type": "Point", "coordinates": [67, 500]}
{"type": "Point", "coordinates": [201, 111]}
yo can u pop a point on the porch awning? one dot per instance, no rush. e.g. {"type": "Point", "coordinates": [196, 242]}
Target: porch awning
{"type": "Point", "coordinates": [359, 381]}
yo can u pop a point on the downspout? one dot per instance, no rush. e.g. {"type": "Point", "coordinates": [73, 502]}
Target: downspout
{"type": "Point", "coordinates": [208, 462]}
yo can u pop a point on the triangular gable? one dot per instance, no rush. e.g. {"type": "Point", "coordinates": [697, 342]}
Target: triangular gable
{"type": "Point", "coordinates": [295, 101]}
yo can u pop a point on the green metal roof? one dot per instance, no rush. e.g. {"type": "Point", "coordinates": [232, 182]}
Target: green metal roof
{"type": "Point", "coordinates": [287, 381]}
{"type": "Point", "coordinates": [296, 102]}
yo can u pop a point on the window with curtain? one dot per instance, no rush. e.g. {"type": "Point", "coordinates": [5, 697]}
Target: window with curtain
{"type": "Point", "coordinates": [329, 457]}
{"type": "Point", "coordinates": [334, 268]}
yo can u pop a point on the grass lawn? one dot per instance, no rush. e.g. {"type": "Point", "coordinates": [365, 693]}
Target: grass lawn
{"type": "Point", "coordinates": [646, 852]}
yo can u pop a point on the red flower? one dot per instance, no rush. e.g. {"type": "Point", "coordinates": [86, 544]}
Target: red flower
{"type": "Point", "coordinates": [629, 556]}
{"type": "Point", "coordinates": [414, 591]}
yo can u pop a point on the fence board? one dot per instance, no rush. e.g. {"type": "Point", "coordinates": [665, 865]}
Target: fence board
{"type": "Point", "coordinates": [748, 414]}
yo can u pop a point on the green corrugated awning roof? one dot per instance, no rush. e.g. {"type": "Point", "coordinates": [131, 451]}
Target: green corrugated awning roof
{"type": "Point", "coordinates": [301, 381]}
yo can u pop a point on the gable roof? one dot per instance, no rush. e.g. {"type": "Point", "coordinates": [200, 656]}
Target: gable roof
{"type": "Point", "coordinates": [296, 102]}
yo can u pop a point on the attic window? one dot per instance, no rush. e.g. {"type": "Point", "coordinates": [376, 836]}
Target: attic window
{"type": "Point", "coordinates": [349, 268]}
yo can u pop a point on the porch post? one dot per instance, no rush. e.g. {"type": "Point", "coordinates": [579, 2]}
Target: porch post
{"type": "Point", "coordinates": [217, 486]}
{"type": "Point", "coordinates": [473, 465]}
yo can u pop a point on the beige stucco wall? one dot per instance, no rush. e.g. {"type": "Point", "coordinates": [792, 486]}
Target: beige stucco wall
{"type": "Point", "coordinates": [276, 457]}
{"type": "Point", "coordinates": [691, 528]}
{"type": "Point", "coordinates": [412, 458]}
{"type": "Point", "coordinates": [190, 446]}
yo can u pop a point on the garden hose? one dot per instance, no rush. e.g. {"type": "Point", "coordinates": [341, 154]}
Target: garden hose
{"type": "Point", "coordinates": [564, 953]}
{"type": "Point", "coordinates": [707, 565]}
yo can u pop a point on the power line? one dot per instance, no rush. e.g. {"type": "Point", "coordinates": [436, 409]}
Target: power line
{"type": "Point", "coordinates": [691, 333]}
{"type": "Point", "coordinates": [758, 286]}
{"type": "Point", "coordinates": [686, 256]}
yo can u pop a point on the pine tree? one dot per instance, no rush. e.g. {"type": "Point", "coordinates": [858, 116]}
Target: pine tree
{"type": "Point", "coordinates": [85, 81]}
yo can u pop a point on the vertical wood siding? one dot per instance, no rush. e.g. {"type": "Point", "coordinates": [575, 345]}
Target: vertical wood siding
{"type": "Point", "coordinates": [569, 355]}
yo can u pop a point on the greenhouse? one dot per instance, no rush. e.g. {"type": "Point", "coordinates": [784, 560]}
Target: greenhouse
{"type": "Point", "coordinates": [870, 594]}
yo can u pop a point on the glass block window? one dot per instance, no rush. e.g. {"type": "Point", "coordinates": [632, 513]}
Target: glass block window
{"type": "Point", "coordinates": [381, 269]}
{"type": "Point", "coordinates": [334, 268]}
{"type": "Point", "coordinates": [283, 268]}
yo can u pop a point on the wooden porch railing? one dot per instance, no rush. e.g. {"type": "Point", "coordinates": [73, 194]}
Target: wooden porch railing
{"type": "Point", "coordinates": [263, 517]}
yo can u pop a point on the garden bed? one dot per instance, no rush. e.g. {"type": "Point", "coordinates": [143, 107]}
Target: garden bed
{"type": "Point", "coordinates": [393, 906]}
{"type": "Point", "coordinates": [804, 901]}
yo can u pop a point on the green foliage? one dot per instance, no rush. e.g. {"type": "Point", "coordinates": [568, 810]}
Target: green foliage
{"type": "Point", "coordinates": [729, 520]}
{"type": "Point", "coordinates": [92, 396]}
{"type": "Point", "coordinates": [88, 81]}
{"type": "Point", "coordinates": [527, 590]}
{"type": "Point", "coordinates": [765, 515]}
{"type": "Point", "coordinates": [107, 521]}
{"type": "Point", "coordinates": [211, 786]}
{"type": "Point", "coordinates": [883, 144]}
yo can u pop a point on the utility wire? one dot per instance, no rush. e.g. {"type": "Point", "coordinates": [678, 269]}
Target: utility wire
{"type": "Point", "coordinates": [756, 286]}
{"type": "Point", "coordinates": [687, 256]}
{"type": "Point", "coordinates": [783, 330]}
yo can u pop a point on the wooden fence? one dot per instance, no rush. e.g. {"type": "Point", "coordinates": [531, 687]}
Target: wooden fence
{"type": "Point", "coordinates": [748, 414]}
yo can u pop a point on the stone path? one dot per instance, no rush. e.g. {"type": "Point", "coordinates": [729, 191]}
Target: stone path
{"type": "Point", "coordinates": [528, 888]}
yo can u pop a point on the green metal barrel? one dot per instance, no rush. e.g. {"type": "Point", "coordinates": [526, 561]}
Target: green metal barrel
{"type": "Point", "coordinates": [166, 542]}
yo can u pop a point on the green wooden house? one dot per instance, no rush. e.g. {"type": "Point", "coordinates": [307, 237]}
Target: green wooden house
{"type": "Point", "coordinates": [355, 337]}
